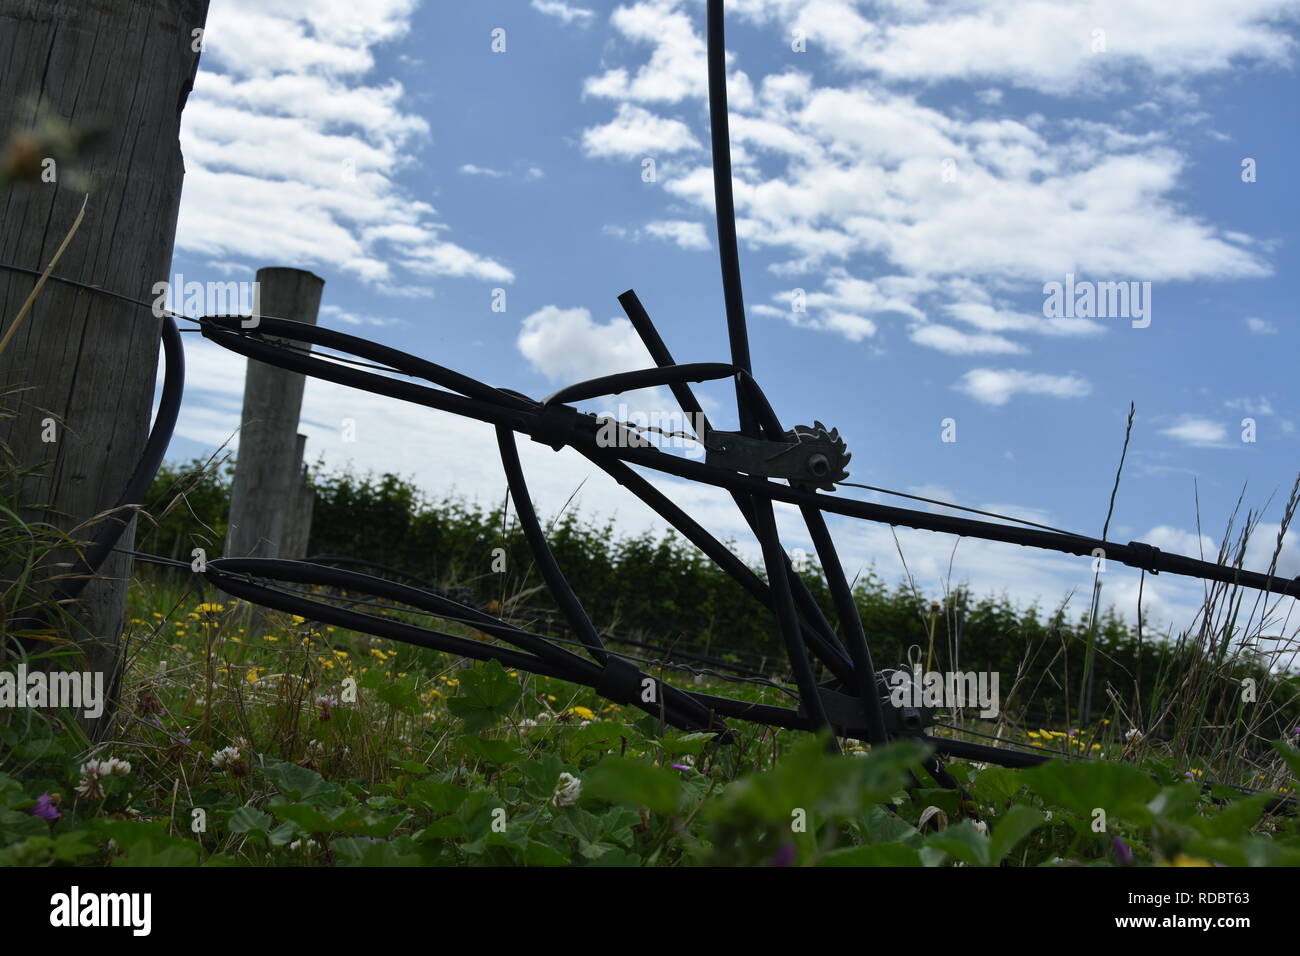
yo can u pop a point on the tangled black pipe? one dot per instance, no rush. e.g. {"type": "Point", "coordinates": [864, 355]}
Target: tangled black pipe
{"type": "Point", "coordinates": [849, 703]}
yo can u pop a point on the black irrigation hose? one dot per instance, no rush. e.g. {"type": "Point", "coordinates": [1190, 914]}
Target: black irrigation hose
{"type": "Point", "coordinates": [151, 458]}
{"type": "Point", "coordinates": [560, 425]}
{"type": "Point", "coordinates": [804, 627]}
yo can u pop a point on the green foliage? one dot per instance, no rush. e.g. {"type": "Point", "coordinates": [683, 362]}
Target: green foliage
{"type": "Point", "coordinates": [244, 750]}
{"type": "Point", "coordinates": [487, 695]}
{"type": "Point", "coordinates": [661, 589]}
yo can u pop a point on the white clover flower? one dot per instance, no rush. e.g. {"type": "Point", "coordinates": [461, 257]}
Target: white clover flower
{"type": "Point", "coordinates": [1134, 736]}
{"type": "Point", "coordinates": [94, 771]}
{"type": "Point", "coordinates": [91, 774]}
{"type": "Point", "coordinates": [567, 790]}
{"type": "Point", "coordinates": [225, 758]}
{"type": "Point", "coordinates": [982, 827]}
{"type": "Point", "coordinates": [527, 723]}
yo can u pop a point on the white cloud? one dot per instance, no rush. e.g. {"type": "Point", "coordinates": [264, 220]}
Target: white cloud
{"type": "Point", "coordinates": [469, 169]}
{"type": "Point", "coordinates": [826, 177]}
{"type": "Point", "coordinates": [339, 314]}
{"type": "Point", "coordinates": [1250, 406]}
{"type": "Point", "coordinates": [566, 346]}
{"type": "Point", "coordinates": [676, 68]}
{"type": "Point", "coordinates": [1201, 432]}
{"type": "Point", "coordinates": [1258, 326]}
{"type": "Point", "coordinates": [1040, 44]}
{"type": "Point", "coordinates": [567, 13]}
{"type": "Point", "coordinates": [855, 328]}
{"type": "Point", "coordinates": [687, 234]}
{"type": "Point", "coordinates": [998, 386]}
{"type": "Point", "coordinates": [636, 132]}
{"type": "Point", "coordinates": [292, 151]}
{"type": "Point", "coordinates": [852, 326]}
{"type": "Point", "coordinates": [956, 342]}
{"type": "Point", "coordinates": [1177, 541]}
{"type": "Point", "coordinates": [987, 318]}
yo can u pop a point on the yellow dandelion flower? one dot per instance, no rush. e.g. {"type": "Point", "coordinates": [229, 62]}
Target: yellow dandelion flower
{"type": "Point", "coordinates": [207, 608]}
{"type": "Point", "coordinates": [584, 712]}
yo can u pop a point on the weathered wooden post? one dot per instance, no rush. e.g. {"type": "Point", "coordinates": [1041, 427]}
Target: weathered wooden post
{"type": "Point", "coordinates": [302, 503]}
{"type": "Point", "coordinates": [263, 499]}
{"type": "Point", "coordinates": [86, 360]}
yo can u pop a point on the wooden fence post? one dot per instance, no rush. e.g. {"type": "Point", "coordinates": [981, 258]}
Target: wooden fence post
{"type": "Point", "coordinates": [85, 360]}
{"type": "Point", "coordinates": [302, 502]}
{"type": "Point", "coordinates": [264, 508]}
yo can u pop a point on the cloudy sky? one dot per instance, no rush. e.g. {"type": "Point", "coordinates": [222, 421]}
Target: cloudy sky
{"type": "Point", "coordinates": [910, 177]}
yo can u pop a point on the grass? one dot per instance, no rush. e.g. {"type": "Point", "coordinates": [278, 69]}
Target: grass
{"type": "Point", "coordinates": [246, 737]}
{"type": "Point", "coordinates": [293, 744]}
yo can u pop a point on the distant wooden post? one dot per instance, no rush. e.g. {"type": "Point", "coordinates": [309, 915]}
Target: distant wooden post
{"type": "Point", "coordinates": [302, 501]}
{"type": "Point", "coordinates": [264, 498]}
{"type": "Point", "coordinates": [87, 360]}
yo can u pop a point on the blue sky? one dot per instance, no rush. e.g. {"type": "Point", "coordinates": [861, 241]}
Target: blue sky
{"type": "Point", "coordinates": [920, 170]}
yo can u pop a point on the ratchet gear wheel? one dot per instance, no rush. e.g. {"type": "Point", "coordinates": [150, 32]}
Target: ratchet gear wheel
{"type": "Point", "coordinates": [824, 456]}
{"type": "Point", "coordinates": [811, 457]}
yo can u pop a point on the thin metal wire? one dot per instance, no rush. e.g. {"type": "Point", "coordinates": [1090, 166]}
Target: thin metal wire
{"type": "Point", "coordinates": [949, 504]}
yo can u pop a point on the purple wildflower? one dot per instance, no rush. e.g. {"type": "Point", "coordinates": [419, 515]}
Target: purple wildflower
{"type": "Point", "coordinates": [784, 856]}
{"type": "Point", "coordinates": [1122, 852]}
{"type": "Point", "coordinates": [45, 808]}
{"type": "Point", "coordinates": [681, 766]}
